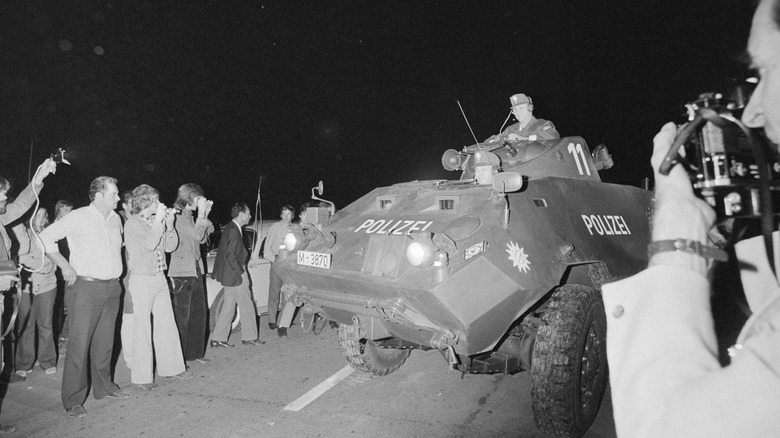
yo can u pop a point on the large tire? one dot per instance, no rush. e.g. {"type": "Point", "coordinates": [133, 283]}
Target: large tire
{"type": "Point", "coordinates": [366, 356]}
{"type": "Point", "coordinates": [569, 365]}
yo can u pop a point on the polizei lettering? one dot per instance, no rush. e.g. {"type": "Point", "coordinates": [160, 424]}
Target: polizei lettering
{"type": "Point", "coordinates": [397, 227]}
{"type": "Point", "coordinates": [605, 224]}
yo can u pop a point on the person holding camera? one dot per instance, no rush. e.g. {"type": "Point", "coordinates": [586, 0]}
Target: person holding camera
{"type": "Point", "coordinates": [186, 271]}
{"type": "Point", "coordinates": [661, 345]}
{"type": "Point", "coordinates": [13, 211]}
{"type": "Point", "coordinates": [8, 214]}
{"type": "Point", "coordinates": [149, 234]}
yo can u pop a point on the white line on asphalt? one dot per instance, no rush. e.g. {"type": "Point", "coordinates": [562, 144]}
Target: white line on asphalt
{"type": "Point", "coordinates": [320, 389]}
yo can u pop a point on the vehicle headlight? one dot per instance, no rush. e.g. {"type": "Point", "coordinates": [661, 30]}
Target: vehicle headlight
{"type": "Point", "coordinates": [295, 241]}
{"type": "Point", "coordinates": [290, 241]}
{"type": "Point", "coordinates": [420, 251]}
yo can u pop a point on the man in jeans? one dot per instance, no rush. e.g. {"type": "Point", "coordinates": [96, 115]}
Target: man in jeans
{"type": "Point", "coordinates": [186, 274]}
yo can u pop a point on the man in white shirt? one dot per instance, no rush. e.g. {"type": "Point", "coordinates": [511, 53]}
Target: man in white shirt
{"type": "Point", "coordinates": [94, 236]}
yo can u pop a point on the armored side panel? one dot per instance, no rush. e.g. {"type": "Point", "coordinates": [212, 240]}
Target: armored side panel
{"type": "Point", "coordinates": [493, 255]}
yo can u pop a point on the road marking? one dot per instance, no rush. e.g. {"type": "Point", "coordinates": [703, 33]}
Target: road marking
{"type": "Point", "coordinates": [320, 389]}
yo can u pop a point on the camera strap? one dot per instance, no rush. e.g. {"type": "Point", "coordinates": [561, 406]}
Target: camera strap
{"type": "Point", "coordinates": [13, 319]}
{"type": "Point", "coordinates": [704, 115]}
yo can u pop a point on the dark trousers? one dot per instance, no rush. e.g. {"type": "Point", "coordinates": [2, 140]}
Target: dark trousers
{"type": "Point", "coordinates": [67, 302]}
{"type": "Point", "coordinates": [274, 293]}
{"type": "Point", "coordinates": [189, 309]}
{"type": "Point", "coordinates": [35, 311]}
{"type": "Point", "coordinates": [92, 321]}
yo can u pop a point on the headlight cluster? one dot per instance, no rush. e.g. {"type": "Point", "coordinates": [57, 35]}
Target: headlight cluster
{"type": "Point", "coordinates": [295, 241]}
{"type": "Point", "coordinates": [422, 252]}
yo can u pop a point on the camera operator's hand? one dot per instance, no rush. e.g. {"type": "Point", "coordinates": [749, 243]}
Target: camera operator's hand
{"type": "Point", "coordinates": [6, 281]}
{"type": "Point", "coordinates": [678, 213]}
{"type": "Point", "coordinates": [204, 207]}
{"type": "Point", "coordinates": [44, 170]}
{"type": "Point", "coordinates": [160, 214]}
{"type": "Point", "coordinates": [207, 208]}
{"type": "Point", "coordinates": [170, 218]}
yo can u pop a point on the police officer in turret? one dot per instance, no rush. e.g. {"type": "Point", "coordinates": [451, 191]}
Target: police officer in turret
{"type": "Point", "coordinates": [528, 127]}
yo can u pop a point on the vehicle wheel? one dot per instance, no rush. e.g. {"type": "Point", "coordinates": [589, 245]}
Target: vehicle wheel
{"type": "Point", "coordinates": [569, 365]}
{"type": "Point", "coordinates": [366, 356]}
{"type": "Point", "coordinates": [216, 308]}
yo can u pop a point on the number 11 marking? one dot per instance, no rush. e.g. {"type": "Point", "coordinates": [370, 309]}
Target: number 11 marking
{"type": "Point", "coordinates": [579, 154]}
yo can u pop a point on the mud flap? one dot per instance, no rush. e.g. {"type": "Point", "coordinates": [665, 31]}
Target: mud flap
{"type": "Point", "coordinates": [286, 317]}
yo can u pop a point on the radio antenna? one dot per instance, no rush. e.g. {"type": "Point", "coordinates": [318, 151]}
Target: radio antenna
{"type": "Point", "coordinates": [467, 121]}
{"type": "Point", "coordinates": [29, 165]}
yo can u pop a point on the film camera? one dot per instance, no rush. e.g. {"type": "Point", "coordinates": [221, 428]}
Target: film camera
{"type": "Point", "coordinates": [59, 156]}
{"type": "Point", "coordinates": [731, 166]}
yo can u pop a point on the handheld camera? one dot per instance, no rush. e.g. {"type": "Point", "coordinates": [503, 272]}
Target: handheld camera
{"type": "Point", "coordinates": [730, 165]}
{"type": "Point", "coordinates": [59, 156]}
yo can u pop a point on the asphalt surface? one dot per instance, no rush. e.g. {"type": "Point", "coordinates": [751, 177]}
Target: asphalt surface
{"type": "Point", "coordinates": [243, 392]}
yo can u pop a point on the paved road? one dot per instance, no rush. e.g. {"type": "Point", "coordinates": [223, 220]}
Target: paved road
{"type": "Point", "coordinates": [243, 392]}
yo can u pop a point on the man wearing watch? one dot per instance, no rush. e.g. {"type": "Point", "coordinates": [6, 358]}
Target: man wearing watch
{"type": "Point", "coordinates": [664, 371]}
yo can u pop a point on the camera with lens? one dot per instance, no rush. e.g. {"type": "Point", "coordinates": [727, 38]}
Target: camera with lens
{"type": "Point", "coordinates": [59, 156]}
{"type": "Point", "coordinates": [730, 165]}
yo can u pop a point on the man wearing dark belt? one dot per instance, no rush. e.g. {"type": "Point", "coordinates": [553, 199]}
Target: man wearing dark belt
{"type": "Point", "coordinates": [94, 236]}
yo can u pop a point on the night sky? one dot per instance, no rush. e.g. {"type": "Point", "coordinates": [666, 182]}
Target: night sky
{"type": "Point", "coordinates": [358, 94]}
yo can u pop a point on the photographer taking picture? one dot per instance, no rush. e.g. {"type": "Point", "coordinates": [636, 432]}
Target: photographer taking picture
{"type": "Point", "coordinates": [661, 344]}
{"type": "Point", "coordinates": [8, 214]}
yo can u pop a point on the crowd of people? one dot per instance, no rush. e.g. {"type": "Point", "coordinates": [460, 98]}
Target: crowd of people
{"type": "Point", "coordinates": [144, 259]}
{"type": "Point", "coordinates": [665, 375]}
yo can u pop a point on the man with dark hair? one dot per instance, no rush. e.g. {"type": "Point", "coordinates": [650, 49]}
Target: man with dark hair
{"type": "Point", "coordinates": [127, 205]}
{"type": "Point", "coordinates": [186, 271]}
{"type": "Point", "coordinates": [61, 208]}
{"type": "Point", "coordinates": [273, 242]}
{"type": "Point", "coordinates": [661, 345]}
{"type": "Point", "coordinates": [230, 270]}
{"type": "Point", "coordinates": [91, 274]}
{"type": "Point", "coordinates": [128, 324]}
{"type": "Point", "coordinates": [36, 304]}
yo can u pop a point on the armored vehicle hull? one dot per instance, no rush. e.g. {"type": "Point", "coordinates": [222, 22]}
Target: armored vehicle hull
{"type": "Point", "coordinates": [497, 279]}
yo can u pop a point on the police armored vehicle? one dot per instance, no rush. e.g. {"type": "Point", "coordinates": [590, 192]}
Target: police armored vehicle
{"type": "Point", "coordinates": [499, 270]}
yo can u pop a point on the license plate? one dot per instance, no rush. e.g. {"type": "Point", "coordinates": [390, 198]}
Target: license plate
{"type": "Point", "coordinates": [314, 259]}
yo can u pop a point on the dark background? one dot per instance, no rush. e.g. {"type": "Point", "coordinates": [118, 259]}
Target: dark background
{"type": "Point", "coordinates": [358, 94]}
